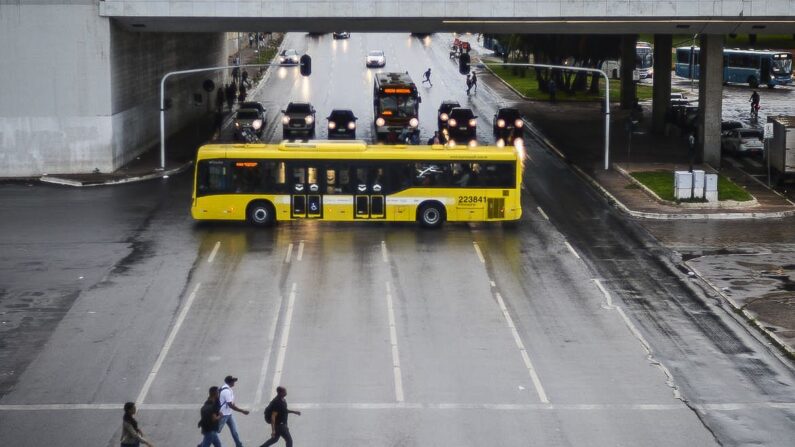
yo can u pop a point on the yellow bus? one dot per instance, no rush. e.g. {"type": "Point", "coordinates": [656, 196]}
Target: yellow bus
{"type": "Point", "coordinates": [348, 180]}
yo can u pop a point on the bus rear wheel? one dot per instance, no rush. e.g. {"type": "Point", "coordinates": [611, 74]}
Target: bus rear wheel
{"type": "Point", "coordinates": [261, 214]}
{"type": "Point", "coordinates": [431, 215]}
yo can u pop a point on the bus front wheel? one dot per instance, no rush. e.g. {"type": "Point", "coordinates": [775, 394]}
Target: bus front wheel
{"type": "Point", "coordinates": [261, 213]}
{"type": "Point", "coordinates": [431, 215]}
{"type": "Point", "coordinates": [753, 82]}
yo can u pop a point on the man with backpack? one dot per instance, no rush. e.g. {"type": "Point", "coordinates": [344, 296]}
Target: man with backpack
{"type": "Point", "coordinates": [276, 415]}
{"type": "Point", "coordinates": [226, 401]}
{"type": "Point", "coordinates": [210, 415]}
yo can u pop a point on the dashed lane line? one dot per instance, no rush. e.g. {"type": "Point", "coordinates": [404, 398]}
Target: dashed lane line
{"type": "Point", "coordinates": [394, 342]}
{"type": "Point", "coordinates": [572, 250]}
{"type": "Point", "coordinates": [383, 252]}
{"type": "Point", "coordinates": [214, 252]}
{"type": "Point", "coordinates": [300, 254]}
{"type": "Point", "coordinates": [268, 351]}
{"type": "Point", "coordinates": [479, 253]}
{"type": "Point", "coordinates": [289, 254]}
{"type": "Point", "coordinates": [167, 346]}
{"type": "Point", "coordinates": [541, 211]}
{"type": "Point", "coordinates": [277, 375]}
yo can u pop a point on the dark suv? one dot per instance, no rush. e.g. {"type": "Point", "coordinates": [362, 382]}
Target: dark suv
{"type": "Point", "coordinates": [462, 125]}
{"type": "Point", "coordinates": [444, 113]}
{"type": "Point", "coordinates": [508, 125]}
{"type": "Point", "coordinates": [298, 119]}
{"type": "Point", "coordinates": [341, 124]}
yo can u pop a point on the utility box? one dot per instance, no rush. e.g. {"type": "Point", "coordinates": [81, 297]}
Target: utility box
{"type": "Point", "coordinates": [698, 184]}
{"type": "Point", "coordinates": [683, 185]}
{"type": "Point", "coordinates": [711, 187]}
{"type": "Point", "coordinates": [781, 148]}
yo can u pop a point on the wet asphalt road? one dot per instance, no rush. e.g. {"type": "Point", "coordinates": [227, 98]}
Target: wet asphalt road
{"type": "Point", "coordinates": [568, 331]}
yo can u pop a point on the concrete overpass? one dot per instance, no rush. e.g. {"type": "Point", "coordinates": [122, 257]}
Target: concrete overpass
{"type": "Point", "coordinates": [80, 77]}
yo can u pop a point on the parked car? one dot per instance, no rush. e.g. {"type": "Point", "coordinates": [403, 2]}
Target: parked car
{"type": "Point", "coordinates": [727, 126]}
{"type": "Point", "coordinates": [444, 113]}
{"type": "Point", "coordinates": [251, 119]}
{"type": "Point", "coordinates": [341, 124]}
{"type": "Point", "coordinates": [289, 56]}
{"type": "Point", "coordinates": [254, 105]}
{"type": "Point", "coordinates": [341, 35]}
{"type": "Point", "coordinates": [508, 125]}
{"type": "Point", "coordinates": [298, 119]}
{"type": "Point", "coordinates": [462, 125]}
{"type": "Point", "coordinates": [375, 58]}
{"type": "Point", "coordinates": [743, 141]}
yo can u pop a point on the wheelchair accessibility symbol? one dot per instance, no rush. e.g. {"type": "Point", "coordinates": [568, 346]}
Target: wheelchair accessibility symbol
{"type": "Point", "coordinates": [313, 207]}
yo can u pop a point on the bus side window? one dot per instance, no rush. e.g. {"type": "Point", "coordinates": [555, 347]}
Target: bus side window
{"type": "Point", "coordinates": [213, 177]}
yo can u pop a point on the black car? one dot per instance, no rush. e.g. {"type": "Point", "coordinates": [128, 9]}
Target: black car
{"type": "Point", "coordinates": [462, 125]}
{"type": "Point", "coordinates": [341, 35]}
{"type": "Point", "coordinates": [341, 124]}
{"type": "Point", "coordinates": [507, 124]}
{"type": "Point", "coordinates": [444, 113]}
{"type": "Point", "coordinates": [253, 105]}
{"type": "Point", "coordinates": [248, 120]}
{"type": "Point", "coordinates": [298, 119]}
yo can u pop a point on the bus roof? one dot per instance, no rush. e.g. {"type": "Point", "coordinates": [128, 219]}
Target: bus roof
{"type": "Point", "coordinates": [738, 50]}
{"type": "Point", "coordinates": [354, 150]}
{"type": "Point", "coordinates": [384, 79]}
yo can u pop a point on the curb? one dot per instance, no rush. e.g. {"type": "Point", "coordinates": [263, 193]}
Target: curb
{"type": "Point", "coordinates": [55, 180]}
{"type": "Point", "coordinates": [781, 344]}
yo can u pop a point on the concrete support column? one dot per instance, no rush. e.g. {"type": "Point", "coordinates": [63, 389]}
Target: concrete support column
{"type": "Point", "coordinates": [661, 102]}
{"type": "Point", "coordinates": [628, 44]}
{"type": "Point", "coordinates": [710, 89]}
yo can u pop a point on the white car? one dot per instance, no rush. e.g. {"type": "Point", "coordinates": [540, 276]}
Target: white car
{"type": "Point", "coordinates": [743, 141]}
{"type": "Point", "coordinates": [289, 57]}
{"type": "Point", "coordinates": [375, 58]}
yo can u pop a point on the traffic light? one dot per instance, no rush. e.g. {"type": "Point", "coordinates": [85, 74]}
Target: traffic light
{"type": "Point", "coordinates": [306, 65]}
{"type": "Point", "coordinates": [463, 63]}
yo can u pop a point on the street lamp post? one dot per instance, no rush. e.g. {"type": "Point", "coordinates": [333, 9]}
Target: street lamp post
{"type": "Point", "coordinates": [607, 95]}
{"type": "Point", "coordinates": [181, 72]}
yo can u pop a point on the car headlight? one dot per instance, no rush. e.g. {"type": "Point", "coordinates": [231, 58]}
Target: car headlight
{"type": "Point", "coordinates": [473, 143]}
{"type": "Point", "coordinates": [351, 125]}
{"type": "Point", "coordinates": [452, 122]}
{"type": "Point", "coordinates": [309, 119]}
{"type": "Point", "coordinates": [451, 142]}
{"type": "Point", "coordinates": [332, 125]}
{"type": "Point", "coordinates": [285, 120]}
{"type": "Point", "coordinates": [256, 124]}
{"type": "Point", "coordinates": [500, 143]}
{"type": "Point", "coordinates": [414, 122]}
{"type": "Point", "coordinates": [443, 116]}
{"type": "Point", "coordinates": [473, 122]}
{"type": "Point", "coordinates": [518, 142]}
{"type": "Point", "coordinates": [379, 121]}
{"type": "Point", "coordinates": [518, 123]}
{"type": "Point", "coordinates": [282, 59]}
{"type": "Point", "coordinates": [500, 123]}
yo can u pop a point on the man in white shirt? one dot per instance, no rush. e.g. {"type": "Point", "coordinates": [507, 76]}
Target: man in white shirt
{"type": "Point", "coordinates": [227, 402]}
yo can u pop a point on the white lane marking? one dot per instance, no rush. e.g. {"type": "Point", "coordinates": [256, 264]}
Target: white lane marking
{"type": "Point", "coordinates": [542, 395]}
{"type": "Point", "coordinates": [571, 249]}
{"type": "Point", "coordinates": [540, 210]}
{"type": "Point", "coordinates": [214, 252]}
{"type": "Point", "coordinates": [383, 251]}
{"type": "Point", "coordinates": [289, 253]}
{"type": "Point", "coordinates": [300, 254]}
{"type": "Point", "coordinates": [393, 340]}
{"type": "Point", "coordinates": [266, 360]}
{"type": "Point", "coordinates": [479, 253]}
{"type": "Point", "coordinates": [169, 341]}
{"type": "Point", "coordinates": [608, 297]}
{"type": "Point", "coordinates": [277, 375]}
{"type": "Point", "coordinates": [729, 406]}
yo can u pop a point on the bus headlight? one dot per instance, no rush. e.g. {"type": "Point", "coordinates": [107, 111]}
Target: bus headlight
{"type": "Point", "coordinates": [379, 121]}
{"type": "Point", "coordinates": [285, 120]}
{"type": "Point", "coordinates": [473, 122]}
{"type": "Point", "coordinates": [452, 122]}
{"type": "Point", "coordinates": [518, 123]}
{"type": "Point", "coordinates": [351, 125]}
{"type": "Point", "coordinates": [500, 123]}
{"type": "Point", "coordinates": [444, 116]}
{"type": "Point", "coordinates": [256, 124]}
{"type": "Point", "coordinates": [414, 122]}
{"type": "Point", "coordinates": [309, 119]}
{"type": "Point", "coordinates": [332, 125]}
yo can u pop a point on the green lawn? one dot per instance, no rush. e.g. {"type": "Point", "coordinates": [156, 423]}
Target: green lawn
{"type": "Point", "coordinates": [528, 86]}
{"type": "Point", "coordinates": [662, 183]}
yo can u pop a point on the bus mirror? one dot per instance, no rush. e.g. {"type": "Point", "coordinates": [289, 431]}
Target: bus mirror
{"type": "Point", "coordinates": [306, 65]}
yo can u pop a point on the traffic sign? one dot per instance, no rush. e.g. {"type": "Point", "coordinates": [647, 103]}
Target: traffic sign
{"type": "Point", "coordinates": [768, 131]}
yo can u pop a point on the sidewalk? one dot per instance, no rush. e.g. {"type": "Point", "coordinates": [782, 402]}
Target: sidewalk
{"type": "Point", "coordinates": [180, 147]}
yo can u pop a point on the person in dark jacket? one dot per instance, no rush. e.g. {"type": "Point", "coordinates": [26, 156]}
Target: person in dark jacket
{"type": "Point", "coordinates": [278, 418]}
{"type": "Point", "coordinates": [131, 435]}
{"type": "Point", "coordinates": [210, 416]}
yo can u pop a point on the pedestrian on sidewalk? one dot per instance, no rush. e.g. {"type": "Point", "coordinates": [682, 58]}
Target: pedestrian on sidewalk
{"type": "Point", "coordinates": [242, 96]}
{"type": "Point", "coordinates": [251, 40]}
{"type": "Point", "coordinates": [553, 89]}
{"type": "Point", "coordinates": [469, 84]}
{"type": "Point", "coordinates": [210, 416]}
{"type": "Point", "coordinates": [219, 99]}
{"type": "Point", "coordinates": [475, 81]}
{"type": "Point", "coordinates": [246, 81]}
{"type": "Point", "coordinates": [227, 402]}
{"type": "Point", "coordinates": [427, 77]}
{"type": "Point", "coordinates": [131, 435]}
{"type": "Point", "coordinates": [231, 91]}
{"type": "Point", "coordinates": [276, 415]}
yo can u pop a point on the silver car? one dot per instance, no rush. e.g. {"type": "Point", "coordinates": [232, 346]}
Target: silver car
{"type": "Point", "coordinates": [743, 141]}
{"type": "Point", "coordinates": [375, 58]}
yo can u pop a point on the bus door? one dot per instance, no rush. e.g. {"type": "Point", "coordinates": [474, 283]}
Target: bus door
{"type": "Point", "coordinates": [306, 200]}
{"type": "Point", "coordinates": [369, 199]}
{"type": "Point", "coordinates": [767, 67]}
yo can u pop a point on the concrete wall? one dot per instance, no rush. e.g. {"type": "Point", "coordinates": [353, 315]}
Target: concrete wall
{"type": "Point", "coordinates": [80, 93]}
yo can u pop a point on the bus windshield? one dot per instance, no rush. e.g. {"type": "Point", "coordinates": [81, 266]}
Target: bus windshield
{"type": "Point", "coordinates": [397, 106]}
{"type": "Point", "coordinates": [644, 58]}
{"type": "Point", "coordinates": [782, 66]}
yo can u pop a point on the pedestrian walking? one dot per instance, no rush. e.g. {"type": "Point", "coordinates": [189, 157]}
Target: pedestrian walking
{"type": "Point", "coordinates": [242, 95]}
{"type": "Point", "coordinates": [219, 99]}
{"type": "Point", "coordinates": [227, 402]}
{"type": "Point", "coordinates": [230, 96]}
{"type": "Point", "coordinates": [469, 84]}
{"type": "Point", "coordinates": [427, 77]}
{"type": "Point", "coordinates": [210, 416]}
{"type": "Point", "coordinates": [244, 77]}
{"type": "Point", "coordinates": [553, 88]}
{"type": "Point", "coordinates": [251, 40]}
{"type": "Point", "coordinates": [131, 435]}
{"type": "Point", "coordinates": [276, 415]}
{"type": "Point", "coordinates": [475, 81]}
